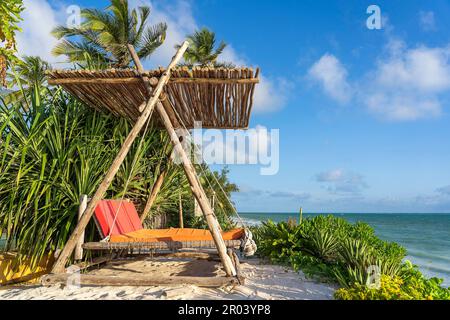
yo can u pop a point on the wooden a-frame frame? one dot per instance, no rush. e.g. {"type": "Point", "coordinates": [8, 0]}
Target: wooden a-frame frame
{"type": "Point", "coordinates": [197, 189]}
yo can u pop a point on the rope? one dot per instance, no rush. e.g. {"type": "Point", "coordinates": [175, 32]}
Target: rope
{"type": "Point", "coordinates": [206, 177]}
{"type": "Point", "coordinates": [133, 165]}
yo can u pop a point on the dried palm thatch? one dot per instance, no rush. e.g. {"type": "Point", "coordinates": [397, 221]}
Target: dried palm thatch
{"type": "Point", "coordinates": [217, 97]}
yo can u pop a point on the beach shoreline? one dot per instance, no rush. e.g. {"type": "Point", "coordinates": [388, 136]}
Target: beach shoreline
{"type": "Point", "coordinates": [263, 282]}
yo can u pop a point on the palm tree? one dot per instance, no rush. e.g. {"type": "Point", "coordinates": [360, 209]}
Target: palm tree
{"type": "Point", "coordinates": [104, 35]}
{"type": "Point", "coordinates": [202, 51]}
{"type": "Point", "coordinates": [26, 76]}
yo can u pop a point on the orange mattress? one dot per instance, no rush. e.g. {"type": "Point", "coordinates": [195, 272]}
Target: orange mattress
{"type": "Point", "coordinates": [174, 234]}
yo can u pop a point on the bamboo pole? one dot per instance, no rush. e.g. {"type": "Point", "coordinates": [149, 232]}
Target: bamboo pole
{"type": "Point", "coordinates": [138, 280]}
{"type": "Point", "coordinates": [301, 216]}
{"type": "Point", "coordinates": [81, 210]}
{"type": "Point", "coordinates": [59, 266]}
{"type": "Point", "coordinates": [181, 212]}
{"type": "Point", "coordinates": [155, 189]}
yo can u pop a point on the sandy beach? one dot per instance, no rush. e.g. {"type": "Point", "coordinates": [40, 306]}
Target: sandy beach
{"type": "Point", "coordinates": [263, 282]}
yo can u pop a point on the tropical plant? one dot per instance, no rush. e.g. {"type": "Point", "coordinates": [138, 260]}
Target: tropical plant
{"type": "Point", "coordinates": [105, 34]}
{"type": "Point", "coordinates": [413, 287]}
{"type": "Point", "coordinates": [10, 17]}
{"type": "Point", "coordinates": [27, 75]}
{"type": "Point", "coordinates": [202, 50]}
{"type": "Point", "coordinates": [58, 149]}
{"type": "Point", "coordinates": [332, 249]}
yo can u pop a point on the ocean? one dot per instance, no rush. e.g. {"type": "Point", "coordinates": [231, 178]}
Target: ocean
{"type": "Point", "coordinates": [426, 237]}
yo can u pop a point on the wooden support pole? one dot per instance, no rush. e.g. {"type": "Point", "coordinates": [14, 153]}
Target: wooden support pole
{"type": "Point", "coordinates": [81, 209]}
{"type": "Point", "coordinates": [197, 210]}
{"type": "Point", "coordinates": [59, 266]}
{"type": "Point", "coordinates": [151, 199]}
{"type": "Point", "coordinates": [181, 212]}
{"type": "Point", "coordinates": [191, 174]}
{"type": "Point", "coordinates": [301, 216]}
{"type": "Point", "coordinates": [138, 280]}
{"type": "Point", "coordinates": [213, 200]}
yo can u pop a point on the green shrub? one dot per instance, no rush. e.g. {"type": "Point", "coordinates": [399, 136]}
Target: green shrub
{"type": "Point", "coordinates": [412, 285]}
{"type": "Point", "coordinates": [332, 249]}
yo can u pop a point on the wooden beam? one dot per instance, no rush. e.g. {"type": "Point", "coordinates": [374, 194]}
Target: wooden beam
{"type": "Point", "coordinates": [151, 199]}
{"type": "Point", "coordinates": [138, 280]}
{"type": "Point", "coordinates": [180, 213]}
{"type": "Point", "coordinates": [136, 80]}
{"type": "Point", "coordinates": [59, 266]}
{"type": "Point", "coordinates": [81, 209]}
{"type": "Point", "coordinates": [168, 245]}
{"type": "Point", "coordinates": [94, 262]}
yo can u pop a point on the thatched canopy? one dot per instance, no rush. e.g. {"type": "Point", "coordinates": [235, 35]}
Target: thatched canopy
{"type": "Point", "coordinates": [218, 97]}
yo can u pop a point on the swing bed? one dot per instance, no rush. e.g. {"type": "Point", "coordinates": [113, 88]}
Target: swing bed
{"type": "Point", "coordinates": [219, 98]}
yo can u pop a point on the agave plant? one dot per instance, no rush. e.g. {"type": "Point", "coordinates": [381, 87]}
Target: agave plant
{"type": "Point", "coordinates": [321, 244]}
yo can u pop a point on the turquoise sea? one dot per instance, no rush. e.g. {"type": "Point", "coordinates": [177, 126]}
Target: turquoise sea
{"type": "Point", "coordinates": [425, 236]}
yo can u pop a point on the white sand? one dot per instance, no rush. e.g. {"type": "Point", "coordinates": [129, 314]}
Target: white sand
{"type": "Point", "coordinates": [265, 282]}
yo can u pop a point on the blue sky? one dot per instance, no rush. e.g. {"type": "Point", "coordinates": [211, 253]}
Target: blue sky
{"type": "Point", "coordinates": [363, 114]}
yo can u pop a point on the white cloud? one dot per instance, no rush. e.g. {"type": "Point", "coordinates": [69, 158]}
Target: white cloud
{"type": "Point", "coordinates": [252, 193]}
{"type": "Point", "coordinates": [39, 18]}
{"type": "Point", "coordinates": [330, 73]}
{"type": "Point", "coordinates": [427, 20]}
{"type": "Point", "coordinates": [444, 190]}
{"type": "Point", "coordinates": [339, 181]}
{"type": "Point", "coordinates": [424, 69]}
{"type": "Point", "coordinates": [406, 84]}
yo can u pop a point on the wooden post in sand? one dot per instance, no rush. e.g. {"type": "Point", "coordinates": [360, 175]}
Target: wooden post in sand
{"type": "Point", "coordinates": [181, 211]}
{"type": "Point", "coordinates": [151, 199]}
{"type": "Point", "coordinates": [59, 266]}
{"type": "Point", "coordinates": [191, 174]}
{"type": "Point", "coordinates": [81, 210]}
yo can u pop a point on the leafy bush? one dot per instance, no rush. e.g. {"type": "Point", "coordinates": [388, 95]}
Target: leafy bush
{"type": "Point", "coordinates": [332, 249]}
{"type": "Point", "coordinates": [411, 285]}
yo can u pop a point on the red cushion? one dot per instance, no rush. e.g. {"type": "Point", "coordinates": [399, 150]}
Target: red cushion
{"type": "Point", "coordinates": [127, 219]}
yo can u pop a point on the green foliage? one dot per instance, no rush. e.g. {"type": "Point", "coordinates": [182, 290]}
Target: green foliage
{"type": "Point", "coordinates": [202, 50]}
{"type": "Point", "coordinates": [410, 285]}
{"type": "Point", "coordinates": [27, 76]}
{"type": "Point", "coordinates": [105, 34]}
{"type": "Point", "coordinates": [56, 149]}
{"type": "Point", "coordinates": [332, 249]}
{"type": "Point", "coordinates": [10, 11]}
{"type": "Point", "coordinates": [278, 242]}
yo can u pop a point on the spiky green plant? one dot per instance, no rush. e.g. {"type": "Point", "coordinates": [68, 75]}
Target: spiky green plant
{"type": "Point", "coordinates": [57, 150]}
{"type": "Point", "coordinates": [27, 75]}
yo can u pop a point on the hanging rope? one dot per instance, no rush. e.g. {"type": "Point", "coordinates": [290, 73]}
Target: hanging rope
{"type": "Point", "coordinates": [205, 174]}
{"type": "Point", "coordinates": [133, 165]}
